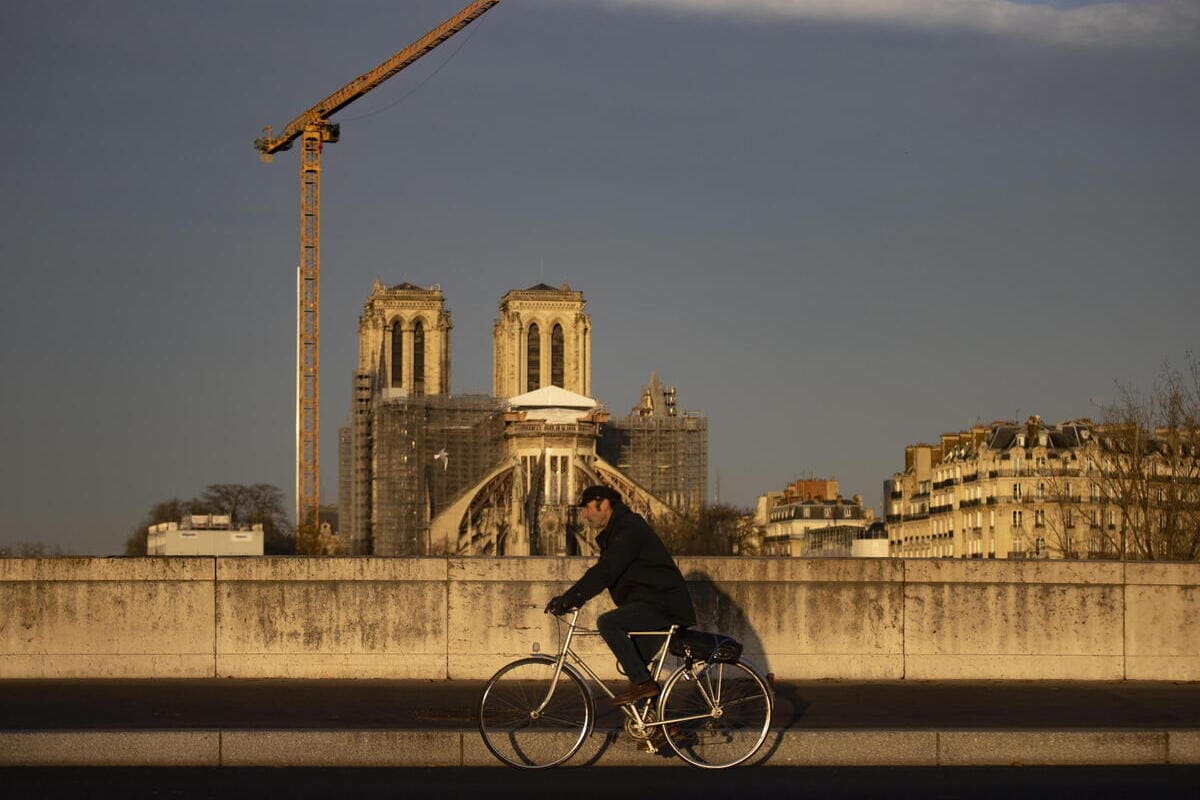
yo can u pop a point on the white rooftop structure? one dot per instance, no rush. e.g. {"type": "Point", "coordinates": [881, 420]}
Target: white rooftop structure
{"type": "Point", "coordinates": [553, 404]}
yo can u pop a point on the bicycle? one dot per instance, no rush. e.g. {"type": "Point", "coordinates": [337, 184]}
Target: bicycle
{"type": "Point", "coordinates": [536, 712]}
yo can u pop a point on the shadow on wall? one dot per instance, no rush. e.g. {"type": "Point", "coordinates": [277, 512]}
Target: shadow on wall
{"type": "Point", "coordinates": [717, 612]}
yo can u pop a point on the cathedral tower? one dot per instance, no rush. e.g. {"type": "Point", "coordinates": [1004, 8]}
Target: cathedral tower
{"type": "Point", "coordinates": [541, 338]}
{"type": "Point", "coordinates": [404, 340]}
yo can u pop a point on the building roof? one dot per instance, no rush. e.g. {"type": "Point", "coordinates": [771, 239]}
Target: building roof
{"type": "Point", "coordinates": [552, 397]}
{"type": "Point", "coordinates": [542, 287]}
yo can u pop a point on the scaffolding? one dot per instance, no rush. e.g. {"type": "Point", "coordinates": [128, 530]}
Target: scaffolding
{"type": "Point", "coordinates": [425, 452]}
{"type": "Point", "coordinates": [666, 454]}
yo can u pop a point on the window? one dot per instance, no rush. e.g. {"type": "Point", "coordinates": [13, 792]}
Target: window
{"type": "Point", "coordinates": [1039, 518]}
{"type": "Point", "coordinates": [1041, 491]}
{"type": "Point", "coordinates": [397, 355]}
{"type": "Point", "coordinates": [418, 358]}
{"type": "Point", "coordinates": [556, 356]}
{"type": "Point", "coordinates": [557, 494]}
{"type": "Point", "coordinates": [1016, 491]}
{"type": "Point", "coordinates": [533, 359]}
{"type": "Point", "coordinates": [1017, 519]}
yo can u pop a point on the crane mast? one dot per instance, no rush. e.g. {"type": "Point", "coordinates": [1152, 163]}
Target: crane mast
{"type": "Point", "coordinates": [314, 130]}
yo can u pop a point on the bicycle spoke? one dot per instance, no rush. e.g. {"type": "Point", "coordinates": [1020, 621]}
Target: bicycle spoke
{"type": "Point", "coordinates": [519, 739]}
{"type": "Point", "coordinates": [719, 718]}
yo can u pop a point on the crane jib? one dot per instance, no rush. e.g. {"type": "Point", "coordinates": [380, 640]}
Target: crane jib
{"type": "Point", "coordinates": [369, 80]}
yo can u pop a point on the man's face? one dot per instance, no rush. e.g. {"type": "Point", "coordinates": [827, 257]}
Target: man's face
{"type": "Point", "coordinates": [596, 513]}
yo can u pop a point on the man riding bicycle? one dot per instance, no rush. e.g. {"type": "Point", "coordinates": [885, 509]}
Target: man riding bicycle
{"type": "Point", "coordinates": [643, 581]}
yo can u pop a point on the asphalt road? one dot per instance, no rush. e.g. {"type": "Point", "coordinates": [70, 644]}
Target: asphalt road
{"type": "Point", "coordinates": [929, 783]}
{"type": "Point", "coordinates": [432, 705]}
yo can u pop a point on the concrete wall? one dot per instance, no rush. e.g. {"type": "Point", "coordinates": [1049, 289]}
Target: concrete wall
{"type": "Point", "coordinates": [464, 617]}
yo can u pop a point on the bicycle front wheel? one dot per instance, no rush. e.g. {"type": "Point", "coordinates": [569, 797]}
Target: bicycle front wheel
{"type": "Point", "coordinates": [723, 712]}
{"type": "Point", "coordinates": [523, 728]}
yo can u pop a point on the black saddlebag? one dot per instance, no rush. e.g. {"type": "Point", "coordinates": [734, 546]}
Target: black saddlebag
{"type": "Point", "coordinates": [702, 646]}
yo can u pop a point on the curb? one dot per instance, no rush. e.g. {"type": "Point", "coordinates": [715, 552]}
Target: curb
{"type": "Point", "coordinates": [454, 748]}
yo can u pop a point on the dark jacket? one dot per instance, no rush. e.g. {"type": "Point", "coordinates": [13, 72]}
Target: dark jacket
{"type": "Point", "coordinates": [635, 567]}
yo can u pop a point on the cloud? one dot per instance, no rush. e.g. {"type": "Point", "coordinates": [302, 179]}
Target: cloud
{"type": "Point", "coordinates": [1124, 23]}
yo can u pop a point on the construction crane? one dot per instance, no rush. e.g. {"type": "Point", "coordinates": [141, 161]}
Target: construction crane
{"type": "Point", "coordinates": [314, 130]}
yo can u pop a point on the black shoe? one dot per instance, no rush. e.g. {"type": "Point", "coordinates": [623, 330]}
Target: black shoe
{"type": "Point", "coordinates": [634, 692]}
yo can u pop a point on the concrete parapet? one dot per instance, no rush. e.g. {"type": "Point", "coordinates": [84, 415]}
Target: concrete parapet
{"type": "Point", "coordinates": [806, 618]}
{"type": "Point", "coordinates": [1013, 620]}
{"type": "Point", "coordinates": [331, 618]}
{"type": "Point", "coordinates": [1162, 622]}
{"type": "Point", "coordinates": [102, 617]}
{"type": "Point", "coordinates": [462, 618]}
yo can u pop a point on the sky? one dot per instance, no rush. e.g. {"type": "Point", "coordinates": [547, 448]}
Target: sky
{"type": "Point", "coordinates": [837, 228]}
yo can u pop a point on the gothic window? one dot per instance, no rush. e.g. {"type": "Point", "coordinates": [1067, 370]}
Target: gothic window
{"type": "Point", "coordinates": [418, 358]}
{"type": "Point", "coordinates": [397, 355]}
{"type": "Point", "coordinates": [556, 356]}
{"type": "Point", "coordinates": [533, 359]}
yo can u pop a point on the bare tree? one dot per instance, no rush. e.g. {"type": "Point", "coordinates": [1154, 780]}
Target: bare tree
{"type": "Point", "coordinates": [1144, 470]}
{"type": "Point", "coordinates": [714, 530]}
{"type": "Point", "coordinates": [226, 498]}
{"type": "Point", "coordinates": [25, 549]}
{"type": "Point", "coordinates": [162, 511]}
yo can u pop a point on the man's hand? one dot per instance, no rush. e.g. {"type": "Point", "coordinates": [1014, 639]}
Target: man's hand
{"type": "Point", "coordinates": [558, 605]}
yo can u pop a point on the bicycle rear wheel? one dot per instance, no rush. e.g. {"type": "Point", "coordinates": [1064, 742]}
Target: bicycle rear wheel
{"type": "Point", "coordinates": [730, 707]}
{"type": "Point", "coordinates": [514, 729]}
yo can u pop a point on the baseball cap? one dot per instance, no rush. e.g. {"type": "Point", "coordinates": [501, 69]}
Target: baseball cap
{"type": "Point", "coordinates": [599, 492]}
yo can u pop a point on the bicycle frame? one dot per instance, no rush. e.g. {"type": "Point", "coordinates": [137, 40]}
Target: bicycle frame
{"type": "Point", "coordinates": [635, 711]}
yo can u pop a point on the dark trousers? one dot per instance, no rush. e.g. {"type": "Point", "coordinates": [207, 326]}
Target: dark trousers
{"type": "Point", "coordinates": [633, 652]}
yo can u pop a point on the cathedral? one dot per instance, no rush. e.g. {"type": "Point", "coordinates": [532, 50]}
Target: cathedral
{"type": "Point", "coordinates": [426, 472]}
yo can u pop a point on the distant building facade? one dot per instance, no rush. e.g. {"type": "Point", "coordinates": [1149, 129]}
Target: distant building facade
{"type": "Point", "coordinates": [810, 518]}
{"type": "Point", "coordinates": [1033, 490]}
{"type": "Point", "coordinates": [204, 535]}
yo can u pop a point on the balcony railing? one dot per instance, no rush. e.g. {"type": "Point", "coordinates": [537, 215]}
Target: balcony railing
{"type": "Point", "coordinates": [970, 503]}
